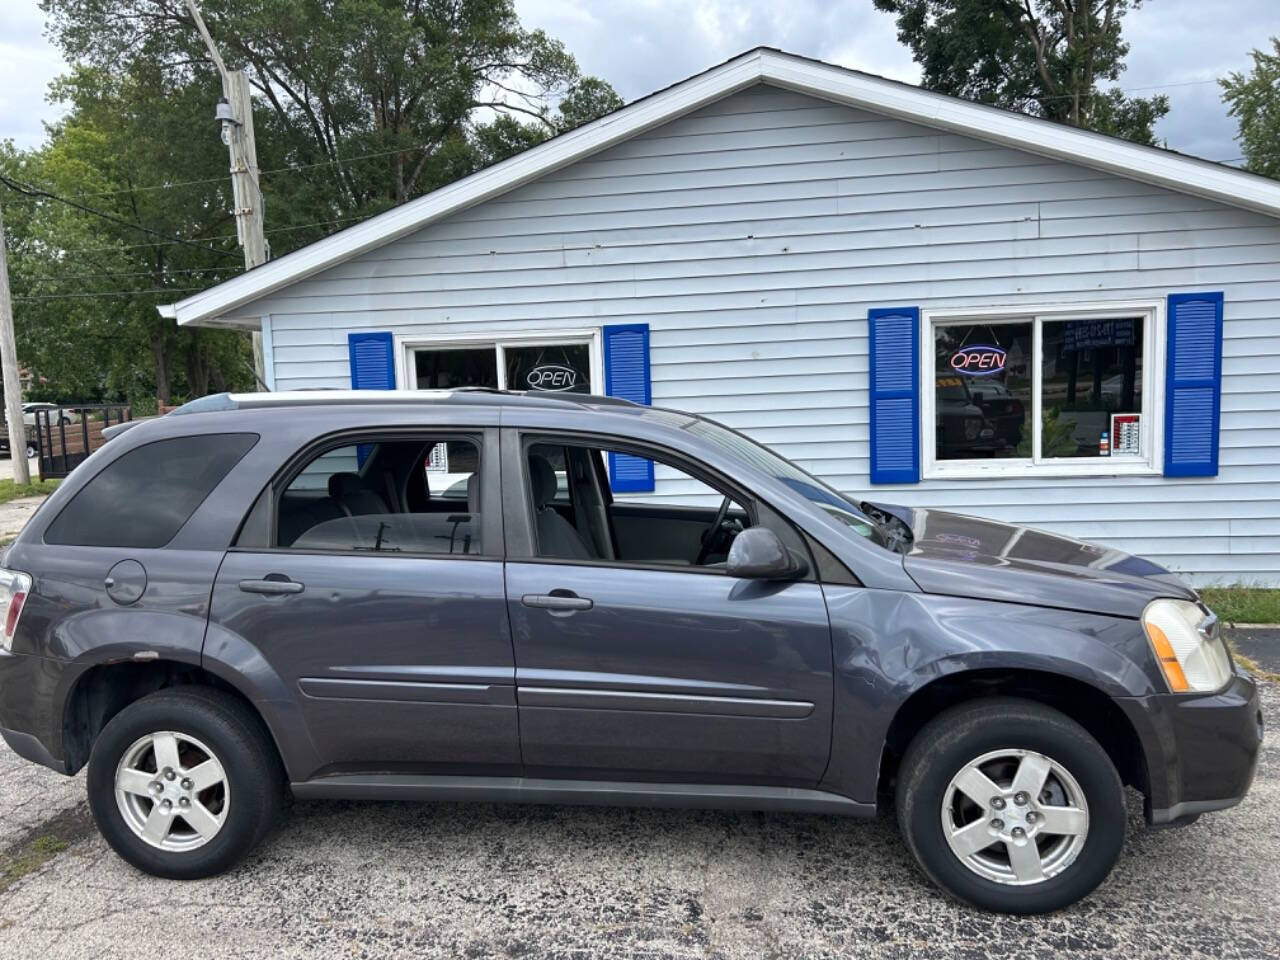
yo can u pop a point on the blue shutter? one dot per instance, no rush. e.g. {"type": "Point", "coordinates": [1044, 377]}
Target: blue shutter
{"type": "Point", "coordinates": [894, 338]}
{"type": "Point", "coordinates": [1193, 385]}
{"type": "Point", "coordinates": [373, 366]}
{"type": "Point", "coordinates": [626, 375]}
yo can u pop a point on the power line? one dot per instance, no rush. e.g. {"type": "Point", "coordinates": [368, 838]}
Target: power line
{"type": "Point", "coordinates": [289, 168]}
{"type": "Point", "coordinates": [225, 236]}
{"type": "Point", "coordinates": [39, 193]}
{"type": "Point", "coordinates": [109, 293]}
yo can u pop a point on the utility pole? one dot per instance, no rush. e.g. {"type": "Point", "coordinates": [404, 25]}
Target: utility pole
{"type": "Point", "coordinates": [12, 384]}
{"type": "Point", "coordinates": [235, 114]}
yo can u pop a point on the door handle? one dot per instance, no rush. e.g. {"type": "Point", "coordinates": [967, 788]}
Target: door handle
{"type": "Point", "coordinates": [556, 601]}
{"type": "Point", "coordinates": [272, 586]}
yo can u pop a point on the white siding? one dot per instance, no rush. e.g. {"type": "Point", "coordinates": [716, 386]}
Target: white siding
{"type": "Point", "coordinates": [753, 236]}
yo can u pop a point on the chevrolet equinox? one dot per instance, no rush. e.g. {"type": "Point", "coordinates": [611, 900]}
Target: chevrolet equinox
{"type": "Point", "coordinates": [470, 595]}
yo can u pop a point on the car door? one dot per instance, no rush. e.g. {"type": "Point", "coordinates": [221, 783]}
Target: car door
{"type": "Point", "coordinates": [382, 605]}
{"type": "Point", "coordinates": [658, 671]}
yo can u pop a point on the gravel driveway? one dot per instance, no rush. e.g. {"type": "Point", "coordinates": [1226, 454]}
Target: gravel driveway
{"type": "Point", "coordinates": [365, 880]}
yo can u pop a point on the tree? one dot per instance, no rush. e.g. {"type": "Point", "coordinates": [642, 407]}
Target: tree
{"type": "Point", "coordinates": [1254, 100]}
{"type": "Point", "coordinates": [359, 105]}
{"type": "Point", "coordinates": [391, 96]}
{"type": "Point", "coordinates": [1047, 58]}
{"type": "Point", "coordinates": [87, 284]}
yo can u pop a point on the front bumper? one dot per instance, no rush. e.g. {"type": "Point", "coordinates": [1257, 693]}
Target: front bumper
{"type": "Point", "coordinates": [1201, 751]}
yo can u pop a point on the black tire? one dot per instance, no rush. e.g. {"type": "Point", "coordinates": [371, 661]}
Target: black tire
{"type": "Point", "coordinates": [962, 734]}
{"type": "Point", "coordinates": [235, 735]}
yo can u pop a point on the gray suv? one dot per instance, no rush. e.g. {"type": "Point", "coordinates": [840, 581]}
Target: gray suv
{"type": "Point", "coordinates": [464, 596]}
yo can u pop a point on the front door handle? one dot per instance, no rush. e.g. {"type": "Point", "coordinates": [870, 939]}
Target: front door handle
{"type": "Point", "coordinates": [273, 585]}
{"type": "Point", "coordinates": [556, 601]}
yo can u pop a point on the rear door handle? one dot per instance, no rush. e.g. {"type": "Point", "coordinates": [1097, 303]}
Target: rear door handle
{"type": "Point", "coordinates": [271, 586]}
{"type": "Point", "coordinates": [556, 601]}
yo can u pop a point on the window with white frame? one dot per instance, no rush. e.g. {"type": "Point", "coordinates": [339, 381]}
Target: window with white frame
{"type": "Point", "coordinates": [1051, 390]}
{"type": "Point", "coordinates": [548, 365]}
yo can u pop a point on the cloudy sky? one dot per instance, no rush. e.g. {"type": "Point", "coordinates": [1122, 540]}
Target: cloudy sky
{"type": "Point", "coordinates": [643, 45]}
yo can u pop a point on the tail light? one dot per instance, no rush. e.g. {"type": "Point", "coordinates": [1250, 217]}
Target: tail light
{"type": "Point", "coordinates": [1015, 408]}
{"type": "Point", "coordinates": [13, 594]}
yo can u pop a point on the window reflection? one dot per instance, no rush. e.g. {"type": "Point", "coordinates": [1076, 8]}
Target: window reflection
{"type": "Point", "coordinates": [1091, 387]}
{"type": "Point", "coordinates": [982, 393]}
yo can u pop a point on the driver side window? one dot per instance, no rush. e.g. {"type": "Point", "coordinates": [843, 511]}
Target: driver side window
{"type": "Point", "coordinates": [576, 516]}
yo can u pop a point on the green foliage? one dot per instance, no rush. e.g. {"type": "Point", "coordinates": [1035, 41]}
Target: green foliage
{"type": "Point", "coordinates": [1243, 604]}
{"type": "Point", "coordinates": [1057, 436]}
{"type": "Point", "coordinates": [1048, 58]}
{"type": "Point", "coordinates": [359, 105]}
{"type": "Point", "coordinates": [1253, 99]}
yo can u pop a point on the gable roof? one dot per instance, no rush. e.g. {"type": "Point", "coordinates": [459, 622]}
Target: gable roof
{"type": "Point", "coordinates": [1165, 168]}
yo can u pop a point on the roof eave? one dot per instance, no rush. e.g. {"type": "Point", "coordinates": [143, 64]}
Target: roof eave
{"type": "Point", "coordinates": [218, 305]}
{"type": "Point", "coordinates": [652, 111]}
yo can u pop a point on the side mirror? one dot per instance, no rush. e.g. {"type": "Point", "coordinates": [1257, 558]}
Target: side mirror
{"type": "Point", "coordinates": [758, 554]}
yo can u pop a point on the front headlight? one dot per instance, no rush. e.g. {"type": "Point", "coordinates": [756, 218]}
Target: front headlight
{"type": "Point", "coordinates": [1186, 644]}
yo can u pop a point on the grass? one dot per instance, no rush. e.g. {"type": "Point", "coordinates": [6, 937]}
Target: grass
{"type": "Point", "coordinates": [1243, 604]}
{"type": "Point", "coordinates": [37, 488]}
{"type": "Point", "coordinates": [32, 851]}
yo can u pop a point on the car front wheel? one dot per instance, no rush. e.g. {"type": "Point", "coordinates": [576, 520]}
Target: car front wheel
{"type": "Point", "coordinates": [1011, 806]}
{"type": "Point", "coordinates": [184, 782]}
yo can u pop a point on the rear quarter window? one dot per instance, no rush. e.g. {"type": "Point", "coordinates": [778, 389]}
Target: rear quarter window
{"type": "Point", "coordinates": [142, 498]}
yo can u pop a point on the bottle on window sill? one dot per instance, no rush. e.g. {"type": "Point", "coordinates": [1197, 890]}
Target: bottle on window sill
{"type": "Point", "coordinates": [1104, 445]}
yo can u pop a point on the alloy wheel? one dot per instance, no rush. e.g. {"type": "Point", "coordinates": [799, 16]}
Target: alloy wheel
{"type": "Point", "coordinates": [172, 791]}
{"type": "Point", "coordinates": [1015, 817]}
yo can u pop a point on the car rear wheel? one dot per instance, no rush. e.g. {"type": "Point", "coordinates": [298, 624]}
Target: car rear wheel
{"type": "Point", "coordinates": [184, 782]}
{"type": "Point", "coordinates": [1011, 806]}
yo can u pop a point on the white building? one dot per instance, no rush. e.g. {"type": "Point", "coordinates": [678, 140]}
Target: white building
{"type": "Point", "coordinates": [922, 300]}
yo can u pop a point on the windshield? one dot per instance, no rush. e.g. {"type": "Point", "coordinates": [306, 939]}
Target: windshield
{"type": "Point", "coordinates": [810, 487]}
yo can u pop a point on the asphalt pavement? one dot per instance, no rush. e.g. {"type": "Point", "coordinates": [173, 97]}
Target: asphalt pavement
{"type": "Point", "coordinates": [576, 883]}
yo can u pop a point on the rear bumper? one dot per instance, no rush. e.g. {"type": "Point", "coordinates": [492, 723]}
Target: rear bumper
{"type": "Point", "coordinates": [1201, 751]}
{"type": "Point", "coordinates": [28, 693]}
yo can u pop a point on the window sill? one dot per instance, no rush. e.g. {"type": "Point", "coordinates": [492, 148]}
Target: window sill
{"type": "Point", "coordinates": [1108, 467]}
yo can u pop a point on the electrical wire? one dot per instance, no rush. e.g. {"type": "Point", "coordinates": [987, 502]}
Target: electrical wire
{"type": "Point", "coordinates": [39, 193]}
{"type": "Point", "coordinates": [106, 293]}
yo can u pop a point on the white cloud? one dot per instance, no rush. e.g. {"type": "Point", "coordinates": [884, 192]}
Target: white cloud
{"type": "Point", "coordinates": [27, 63]}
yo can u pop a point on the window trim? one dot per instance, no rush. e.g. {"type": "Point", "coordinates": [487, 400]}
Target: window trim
{"type": "Point", "coordinates": [1149, 463]}
{"type": "Point", "coordinates": [406, 344]}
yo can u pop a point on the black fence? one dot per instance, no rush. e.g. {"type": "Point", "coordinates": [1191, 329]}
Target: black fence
{"type": "Point", "coordinates": [65, 436]}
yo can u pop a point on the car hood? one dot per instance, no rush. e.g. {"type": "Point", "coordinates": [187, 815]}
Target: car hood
{"type": "Point", "coordinates": [972, 557]}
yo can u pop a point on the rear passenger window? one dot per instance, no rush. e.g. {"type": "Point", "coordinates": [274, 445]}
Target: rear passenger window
{"type": "Point", "coordinates": [388, 496]}
{"type": "Point", "coordinates": [143, 498]}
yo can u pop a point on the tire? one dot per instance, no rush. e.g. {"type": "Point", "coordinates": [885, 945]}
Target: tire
{"type": "Point", "coordinates": [229, 816]}
{"type": "Point", "coordinates": [31, 451]}
{"type": "Point", "coordinates": [1008, 737]}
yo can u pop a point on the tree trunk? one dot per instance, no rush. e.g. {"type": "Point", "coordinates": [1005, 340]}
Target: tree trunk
{"type": "Point", "coordinates": [163, 356]}
{"type": "Point", "coordinates": [197, 366]}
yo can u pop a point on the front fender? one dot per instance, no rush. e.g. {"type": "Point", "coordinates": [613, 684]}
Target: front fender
{"type": "Point", "coordinates": [889, 645]}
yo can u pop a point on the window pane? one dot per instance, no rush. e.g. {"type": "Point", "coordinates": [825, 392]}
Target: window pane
{"type": "Point", "coordinates": [143, 498]}
{"type": "Point", "coordinates": [576, 518]}
{"type": "Point", "coordinates": [402, 496]}
{"type": "Point", "coordinates": [982, 390]}
{"type": "Point", "coordinates": [463, 367]}
{"type": "Point", "coordinates": [1091, 383]}
{"type": "Point", "coordinates": [563, 368]}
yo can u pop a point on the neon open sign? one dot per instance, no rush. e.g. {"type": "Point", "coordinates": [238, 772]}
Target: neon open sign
{"type": "Point", "coordinates": [552, 378]}
{"type": "Point", "coordinates": [980, 360]}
